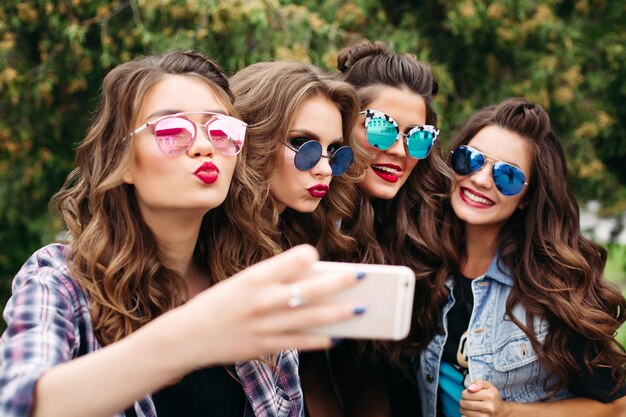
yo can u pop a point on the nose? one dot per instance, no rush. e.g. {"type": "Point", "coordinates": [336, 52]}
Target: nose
{"type": "Point", "coordinates": [397, 149]}
{"type": "Point", "coordinates": [482, 177]}
{"type": "Point", "coordinates": [202, 145]}
{"type": "Point", "coordinates": [322, 169]}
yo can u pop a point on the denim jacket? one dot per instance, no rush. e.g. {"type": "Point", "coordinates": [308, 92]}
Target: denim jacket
{"type": "Point", "coordinates": [498, 350]}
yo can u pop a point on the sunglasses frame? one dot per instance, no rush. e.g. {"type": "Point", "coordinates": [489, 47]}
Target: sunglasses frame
{"type": "Point", "coordinates": [183, 115]}
{"type": "Point", "coordinates": [329, 157]}
{"type": "Point", "coordinates": [495, 162]}
{"type": "Point", "coordinates": [377, 114]}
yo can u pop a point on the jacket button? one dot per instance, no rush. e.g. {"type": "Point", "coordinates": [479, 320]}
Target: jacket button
{"type": "Point", "coordinates": [429, 378]}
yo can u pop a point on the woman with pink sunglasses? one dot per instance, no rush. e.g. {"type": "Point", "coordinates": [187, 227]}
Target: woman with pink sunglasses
{"type": "Point", "coordinates": [134, 302]}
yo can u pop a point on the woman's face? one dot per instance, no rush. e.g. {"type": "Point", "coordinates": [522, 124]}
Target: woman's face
{"type": "Point", "coordinates": [317, 119]}
{"type": "Point", "coordinates": [475, 198]}
{"type": "Point", "coordinates": [390, 169]}
{"type": "Point", "coordinates": [196, 180]}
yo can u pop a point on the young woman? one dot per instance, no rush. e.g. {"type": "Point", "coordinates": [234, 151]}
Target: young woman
{"type": "Point", "coordinates": [395, 222]}
{"type": "Point", "coordinates": [299, 163]}
{"type": "Point", "coordinates": [131, 304]}
{"type": "Point", "coordinates": [529, 321]}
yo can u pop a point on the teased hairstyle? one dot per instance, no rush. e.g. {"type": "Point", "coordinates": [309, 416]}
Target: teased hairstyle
{"type": "Point", "coordinates": [268, 96]}
{"type": "Point", "coordinates": [405, 229]}
{"type": "Point", "coordinates": [557, 272]}
{"type": "Point", "coordinates": [114, 255]}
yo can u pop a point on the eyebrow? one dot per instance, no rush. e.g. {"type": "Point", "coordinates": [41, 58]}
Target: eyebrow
{"type": "Point", "coordinates": [313, 135]}
{"type": "Point", "coordinates": [166, 112]}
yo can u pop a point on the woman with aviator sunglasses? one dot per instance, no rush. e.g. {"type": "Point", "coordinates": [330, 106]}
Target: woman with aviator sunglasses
{"type": "Point", "coordinates": [396, 222]}
{"type": "Point", "coordinates": [529, 323]}
{"type": "Point", "coordinates": [131, 304]}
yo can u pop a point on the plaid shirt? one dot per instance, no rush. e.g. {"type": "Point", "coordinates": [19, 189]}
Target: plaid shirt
{"type": "Point", "coordinates": [49, 323]}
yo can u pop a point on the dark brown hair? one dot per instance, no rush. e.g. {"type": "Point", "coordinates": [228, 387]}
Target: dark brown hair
{"type": "Point", "coordinates": [405, 229]}
{"type": "Point", "coordinates": [557, 272]}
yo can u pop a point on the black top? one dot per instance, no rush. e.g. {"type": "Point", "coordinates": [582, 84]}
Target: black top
{"type": "Point", "coordinates": [350, 368]}
{"type": "Point", "coordinates": [597, 385]}
{"type": "Point", "coordinates": [206, 392]}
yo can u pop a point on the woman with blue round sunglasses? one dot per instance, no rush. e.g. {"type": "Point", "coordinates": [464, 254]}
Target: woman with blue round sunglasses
{"type": "Point", "coordinates": [302, 158]}
{"type": "Point", "coordinates": [529, 321]}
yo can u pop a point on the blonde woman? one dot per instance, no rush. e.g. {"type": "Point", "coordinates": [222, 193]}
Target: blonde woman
{"type": "Point", "coordinates": [131, 305]}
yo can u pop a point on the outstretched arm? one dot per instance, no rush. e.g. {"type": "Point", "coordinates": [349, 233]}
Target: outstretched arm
{"type": "Point", "coordinates": [241, 318]}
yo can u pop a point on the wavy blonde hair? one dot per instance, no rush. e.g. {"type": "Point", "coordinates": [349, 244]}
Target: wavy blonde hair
{"type": "Point", "coordinates": [113, 253]}
{"type": "Point", "coordinates": [268, 96]}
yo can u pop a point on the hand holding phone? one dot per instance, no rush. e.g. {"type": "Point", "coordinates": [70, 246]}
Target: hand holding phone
{"type": "Point", "coordinates": [386, 292]}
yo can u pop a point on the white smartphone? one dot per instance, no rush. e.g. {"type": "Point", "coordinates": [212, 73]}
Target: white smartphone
{"type": "Point", "coordinates": [386, 292]}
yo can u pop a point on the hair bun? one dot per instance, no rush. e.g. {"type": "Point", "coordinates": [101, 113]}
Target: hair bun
{"type": "Point", "coordinates": [348, 56]}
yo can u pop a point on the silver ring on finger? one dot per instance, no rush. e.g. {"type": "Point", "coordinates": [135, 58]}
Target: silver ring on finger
{"type": "Point", "coordinates": [296, 296]}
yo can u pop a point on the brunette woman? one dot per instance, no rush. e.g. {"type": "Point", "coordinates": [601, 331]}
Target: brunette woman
{"type": "Point", "coordinates": [529, 321]}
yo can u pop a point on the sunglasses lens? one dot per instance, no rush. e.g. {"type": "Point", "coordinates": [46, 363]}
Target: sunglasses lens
{"type": "Point", "coordinates": [308, 155]}
{"type": "Point", "coordinates": [466, 160]}
{"type": "Point", "coordinates": [381, 133]}
{"type": "Point", "coordinates": [227, 135]}
{"type": "Point", "coordinates": [174, 135]}
{"type": "Point", "coordinates": [419, 143]}
{"type": "Point", "coordinates": [341, 160]}
{"type": "Point", "coordinates": [508, 179]}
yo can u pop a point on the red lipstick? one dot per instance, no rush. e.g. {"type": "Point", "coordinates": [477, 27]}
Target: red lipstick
{"type": "Point", "coordinates": [318, 190]}
{"type": "Point", "coordinates": [207, 173]}
{"type": "Point", "coordinates": [391, 177]}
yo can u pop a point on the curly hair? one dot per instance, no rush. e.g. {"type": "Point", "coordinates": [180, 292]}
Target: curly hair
{"type": "Point", "coordinates": [557, 272]}
{"type": "Point", "coordinates": [268, 96]}
{"type": "Point", "coordinates": [405, 229]}
{"type": "Point", "coordinates": [114, 254]}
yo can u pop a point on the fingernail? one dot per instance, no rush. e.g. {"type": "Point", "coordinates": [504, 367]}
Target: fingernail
{"type": "Point", "coordinates": [473, 387]}
{"type": "Point", "coordinates": [359, 310]}
{"type": "Point", "coordinates": [360, 275]}
{"type": "Point", "coordinates": [335, 341]}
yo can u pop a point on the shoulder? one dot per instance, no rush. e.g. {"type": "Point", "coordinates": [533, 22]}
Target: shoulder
{"type": "Point", "coordinates": [47, 269]}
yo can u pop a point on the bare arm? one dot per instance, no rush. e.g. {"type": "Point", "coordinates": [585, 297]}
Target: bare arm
{"type": "Point", "coordinates": [241, 318]}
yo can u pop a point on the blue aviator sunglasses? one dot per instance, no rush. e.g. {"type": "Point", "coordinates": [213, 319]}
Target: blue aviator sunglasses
{"type": "Point", "coordinates": [382, 132]}
{"type": "Point", "coordinates": [309, 154]}
{"type": "Point", "coordinates": [509, 179]}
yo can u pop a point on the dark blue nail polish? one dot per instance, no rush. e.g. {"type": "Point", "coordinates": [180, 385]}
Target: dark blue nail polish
{"type": "Point", "coordinates": [359, 310]}
{"type": "Point", "coordinates": [335, 341]}
{"type": "Point", "coordinates": [360, 275]}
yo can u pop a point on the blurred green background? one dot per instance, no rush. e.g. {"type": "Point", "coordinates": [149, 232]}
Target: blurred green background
{"type": "Point", "coordinates": [567, 55]}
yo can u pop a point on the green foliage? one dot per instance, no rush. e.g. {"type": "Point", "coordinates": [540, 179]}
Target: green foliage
{"type": "Point", "coordinates": [566, 55]}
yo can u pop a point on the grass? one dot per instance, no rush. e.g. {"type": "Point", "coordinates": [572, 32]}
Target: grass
{"type": "Point", "coordinates": [616, 264]}
{"type": "Point", "coordinates": [615, 271]}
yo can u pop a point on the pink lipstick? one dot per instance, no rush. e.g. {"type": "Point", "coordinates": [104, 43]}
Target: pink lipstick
{"type": "Point", "coordinates": [318, 190]}
{"type": "Point", "coordinates": [207, 173]}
